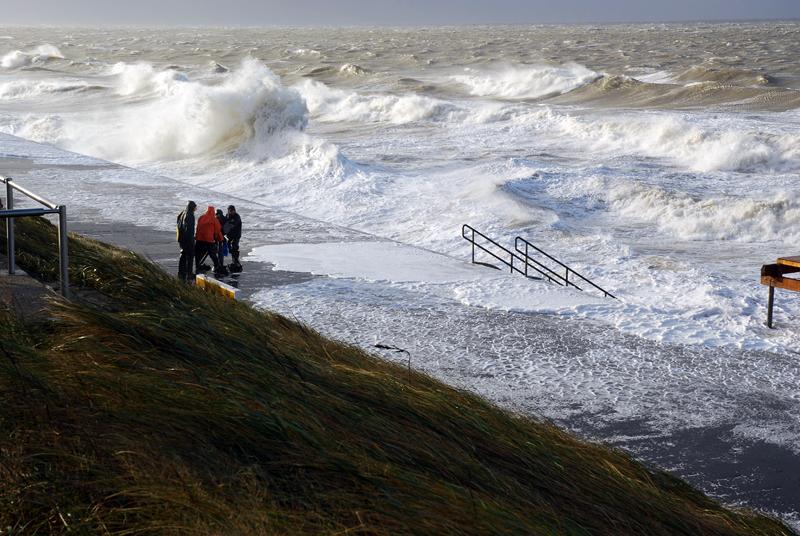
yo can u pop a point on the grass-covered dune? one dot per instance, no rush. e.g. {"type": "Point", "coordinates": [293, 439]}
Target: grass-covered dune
{"type": "Point", "coordinates": [148, 406]}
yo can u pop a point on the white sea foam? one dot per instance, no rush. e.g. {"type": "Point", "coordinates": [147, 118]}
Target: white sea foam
{"type": "Point", "coordinates": [687, 217]}
{"type": "Point", "coordinates": [183, 118]}
{"type": "Point", "coordinates": [525, 82]}
{"type": "Point", "coordinates": [334, 105]}
{"type": "Point", "coordinates": [673, 210]}
{"type": "Point", "coordinates": [421, 271]}
{"type": "Point", "coordinates": [38, 55]}
{"type": "Point", "coordinates": [143, 78]}
{"type": "Point", "coordinates": [704, 145]}
{"type": "Point", "coordinates": [352, 69]}
{"type": "Point", "coordinates": [307, 52]}
{"type": "Point", "coordinates": [26, 89]}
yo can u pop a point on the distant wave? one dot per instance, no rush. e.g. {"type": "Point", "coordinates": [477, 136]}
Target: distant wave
{"type": "Point", "coordinates": [575, 84]}
{"type": "Point", "coordinates": [517, 82]}
{"type": "Point", "coordinates": [352, 69]}
{"type": "Point", "coordinates": [740, 77]}
{"type": "Point", "coordinates": [625, 91]}
{"type": "Point", "coordinates": [330, 104]}
{"type": "Point", "coordinates": [25, 89]}
{"type": "Point", "coordinates": [700, 147]}
{"type": "Point", "coordinates": [39, 55]}
{"type": "Point", "coordinates": [687, 218]}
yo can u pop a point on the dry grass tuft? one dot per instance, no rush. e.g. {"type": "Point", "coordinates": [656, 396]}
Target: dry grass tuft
{"type": "Point", "coordinates": [152, 407]}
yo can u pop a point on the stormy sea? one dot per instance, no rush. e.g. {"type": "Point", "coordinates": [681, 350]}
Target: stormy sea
{"type": "Point", "coordinates": [659, 160]}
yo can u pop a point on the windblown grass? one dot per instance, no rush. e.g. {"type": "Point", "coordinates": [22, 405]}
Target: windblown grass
{"type": "Point", "coordinates": [151, 407]}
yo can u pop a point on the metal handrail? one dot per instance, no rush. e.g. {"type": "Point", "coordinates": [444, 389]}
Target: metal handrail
{"type": "Point", "coordinates": [566, 275]}
{"type": "Point", "coordinates": [465, 229]}
{"type": "Point", "coordinates": [11, 213]}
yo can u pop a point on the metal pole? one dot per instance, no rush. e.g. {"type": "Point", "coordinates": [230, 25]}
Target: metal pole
{"type": "Point", "coordinates": [10, 228]}
{"type": "Point", "coordinates": [63, 253]}
{"type": "Point", "coordinates": [770, 303]}
{"type": "Point", "coordinates": [526, 258]}
{"type": "Point", "coordinates": [473, 246]}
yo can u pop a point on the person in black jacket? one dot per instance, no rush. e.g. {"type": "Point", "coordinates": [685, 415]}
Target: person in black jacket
{"type": "Point", "coordinates": [221, 245]}
{"type": "Point", "coordinates": [185, 232]}
{"type": "Point", "coordinates": [233, 231]}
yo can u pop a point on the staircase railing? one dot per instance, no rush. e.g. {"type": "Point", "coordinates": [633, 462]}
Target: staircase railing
{"type": "Point", "coordinates": [469, 234]}
{"type": "Point", "coordinates": [521, 260]}
{"type": "Point", "coordinates": [524, 248]}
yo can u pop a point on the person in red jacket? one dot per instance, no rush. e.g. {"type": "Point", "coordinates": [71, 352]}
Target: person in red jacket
{"type": "Point", "coordinates": [208, 233]}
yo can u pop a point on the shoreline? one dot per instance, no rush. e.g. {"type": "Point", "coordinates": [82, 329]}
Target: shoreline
{"type": "Point", "coordinates": [714, 458]}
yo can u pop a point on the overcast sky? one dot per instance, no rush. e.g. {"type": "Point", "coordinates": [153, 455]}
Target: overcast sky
{"type": "Point", "coordinates": [384, 12]}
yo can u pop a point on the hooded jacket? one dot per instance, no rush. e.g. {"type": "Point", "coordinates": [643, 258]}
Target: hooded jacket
{"type": "Point", "coordinates": [208, 227]}
{"type": "Point", "coordinates": [233, 224]}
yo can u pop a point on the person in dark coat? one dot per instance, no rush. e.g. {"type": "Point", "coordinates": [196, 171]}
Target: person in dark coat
{"type": "Point", "coordinates": [185, 234]}
{"type": "Point", "coordinates": [233, 232]}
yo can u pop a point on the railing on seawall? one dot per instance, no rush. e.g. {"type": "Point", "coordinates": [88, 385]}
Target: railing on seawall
{"type": "Point", "coordinates": [500, 253]}
{"type": "Point", "coordinates": [522, 260]}
{"type": "Point", "coordinates": [10, 214]}
{"type": "Point", "coordinates": [524, 248]}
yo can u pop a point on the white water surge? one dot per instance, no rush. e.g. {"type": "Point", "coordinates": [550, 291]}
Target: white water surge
{"type": "Point", "coordinates": [673, 210]}
{"type": "Point", "coordinates": [656, 160]}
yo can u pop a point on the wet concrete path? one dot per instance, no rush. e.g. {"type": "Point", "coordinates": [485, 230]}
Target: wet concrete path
{"type": "Point", "coordinates": [137, 210]}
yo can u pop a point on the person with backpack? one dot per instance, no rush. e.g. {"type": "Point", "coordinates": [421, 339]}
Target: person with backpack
{"type": "Point", "coordinates": [208, 233]}
{"type": "Point", "coordinates": [185, 235]}
{"type": "Point", "coordinates": [233, 232]}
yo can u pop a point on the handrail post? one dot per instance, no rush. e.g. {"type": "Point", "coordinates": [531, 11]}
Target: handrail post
{"type": "Point", "coordinates": [473, 245]}
{"type": "Point", "coordinates": [10, 228]}
{"type": "Point", "coordinates": [63, 253]}
{"type": "Point", "coordinates": [526, 258]}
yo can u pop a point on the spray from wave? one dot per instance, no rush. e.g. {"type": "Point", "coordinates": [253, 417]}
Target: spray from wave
{"type": "Point", "coordinates": [142, 79]}
{"type": "Point", "coordinates": [27, 89]}
{"type": "Point", "coordinates": [181, 118]}
{"type": "Point", "coordinates": [526, 82]}
{"type": "Point", "coordinates": [688, 218]}
{"type": "Point", "coordinates": [710, 145]}
{"type": "Point", "coordinates": [336, 105]}
{"type": "Point", "coordinates": [37, 56]}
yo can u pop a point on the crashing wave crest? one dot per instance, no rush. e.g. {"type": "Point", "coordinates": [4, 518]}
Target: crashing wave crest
{"type": "Point", "coordinates": [526, 82]}
{"type": "Point", "coordinates": [39, 55]}
{"type": "Point", "coordinates": [181, 118]}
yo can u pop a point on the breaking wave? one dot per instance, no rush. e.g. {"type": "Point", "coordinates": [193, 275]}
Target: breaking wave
{"type": "Point", "coordinates": [37, 56]}
{"type": "Point", "coordinates": [624, 91]}
{"type": "Point", "coordinates": [26, 89]}
{"type": "Point", "coordinates": [144, 79]}
{"type": "Point", "coordinates": [716, 218]}
{"type": "Point", "coordinates": [698, 146]}
{"type": "Point", "coordinates": [329, 104]}
{"type": "Point", "coordinates": [741, 77]}
{"type": "Point", "coordinates": [352, 69]}
{"type": "Point", "coordinates": [182, 118]}
{"type": "Point", "coordinates": [526, 82]}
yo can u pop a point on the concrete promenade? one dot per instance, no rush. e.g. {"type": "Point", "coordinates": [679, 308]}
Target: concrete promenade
{"type": "Point", "coordinates": [136, 210]}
